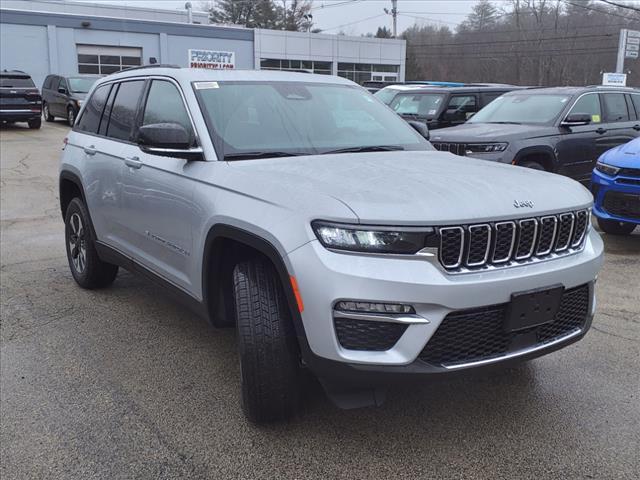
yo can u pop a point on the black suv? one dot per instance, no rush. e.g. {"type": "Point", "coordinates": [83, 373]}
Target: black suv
{"type": "Point", "coordinates": [62, 96]}
{"type": "Point", "coordinates": [20, 100]}
{"type": "Point", "coordinates": [560, 129]}
{"type": "Point", "coordinates": [440, 107]}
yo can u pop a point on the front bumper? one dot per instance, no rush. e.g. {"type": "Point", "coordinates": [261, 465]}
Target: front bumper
{"type": "Point", "coordinates": [325, 277]}
{"type": "Point", "coordinates": [601, 184]}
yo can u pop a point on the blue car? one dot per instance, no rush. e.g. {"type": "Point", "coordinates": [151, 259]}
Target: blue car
{"type": "Point", "coordinates": [615, 183]}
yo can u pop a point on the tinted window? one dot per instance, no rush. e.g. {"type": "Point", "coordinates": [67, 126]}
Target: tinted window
{"type": "Point", "coordinates": [62, 84]}
{"type": "Point", "coordinates": [90, 119]}
{"type": "Point", "coordinates": [636, 103]}
{"type": "Point", "coordinates": [615, 107]}
{"type": "Point", "coordinates": [47, 82]}
{"type": "Point", "coordinates": [462, 103]}
{"type": "Point", "coordinates": [487, 98]}
{"type": "Point", "coordinates": [165, 105]}
{"type": "Point", "coordinates": [107, 112]}
{"type": "Point", "coordinates": [589, 104]}
{"type": "Point", "coordinates": [123, 112]}
{"type": "Point", "coordinates": [16, 81]}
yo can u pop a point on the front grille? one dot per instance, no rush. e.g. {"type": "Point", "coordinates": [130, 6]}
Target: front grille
{"type": "Point", "coordinates": [629, 172]}
{"type": "Point", "coordinates": [473, 247]}
{"type": "Point", "coordinates": [367, 335]}
{"type": "Point", "coordinates": [622, 204]}
{"type": "Point", "coordinates": [455, 148]}
{"type": "Point", "coordinates": [478, 334]}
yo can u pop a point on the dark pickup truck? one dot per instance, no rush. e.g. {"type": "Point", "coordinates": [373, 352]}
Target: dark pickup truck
{"type": "Point", "coordinates": [20, 100]}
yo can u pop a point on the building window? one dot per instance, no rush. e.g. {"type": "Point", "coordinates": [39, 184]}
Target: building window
{"type": "Point", "coordinates": [364, 72]}
{"type": "Point", "coordinates": [102, 59]}
{"type": "Point", "coordinates": [311, 66]}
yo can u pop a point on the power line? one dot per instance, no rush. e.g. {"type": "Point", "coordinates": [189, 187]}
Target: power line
{"type": "Point", "coordinates": [332, 5]}
{"type": "Point", "coordinates": [587, 7]}
{"type": "Point", "coordinates": [353, 23]}
{"type": "Point", "coordinates": [620, 5]}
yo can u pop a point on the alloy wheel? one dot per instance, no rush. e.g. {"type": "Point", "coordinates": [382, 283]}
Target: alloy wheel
{"type": "Point", "coordinates": [77, 243]}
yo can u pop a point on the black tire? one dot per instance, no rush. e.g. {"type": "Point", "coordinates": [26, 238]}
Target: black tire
{"type": "Point", "coordinates": [532, 164]}
{"type": "Point", "coordinates": [268, 349]}
{"type": "Point", "coordinates": [35, 123]}
{"type": "Point", "coordinates": [614, 227]}
{"type": "Point", "coordinates": [71, 116]}
{"type": "Point", "coordinates": [86, 267]}
{"type": "Point", "coordinates": [45, 111]}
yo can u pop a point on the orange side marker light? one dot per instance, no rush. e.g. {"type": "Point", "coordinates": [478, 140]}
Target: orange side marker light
{"type": "Point", "coordinates": [296, 292]}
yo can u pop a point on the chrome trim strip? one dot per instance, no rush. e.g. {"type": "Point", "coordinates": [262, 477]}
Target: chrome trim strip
{"type": "Point", "coordinates": [553, 236]}
{"type": "Point", "coordinates": [575, 243]}
{"type": "Point", "coordinates": [459, 262]}
{"type": "Point", "coordinates": [513, 241]}
{"type": "Point", "coordinates": [519, 353]}
{"type": "Point", "coordinates": [573, 221]}
{"type": "Point", "coordinates": [374, 317]}
{"type": "Point", "coordinates": [535, 236]}
{"type": "Point", "coordinates": [486, 253]}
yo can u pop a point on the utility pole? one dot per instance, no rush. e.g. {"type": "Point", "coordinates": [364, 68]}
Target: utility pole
{"type": "Point", "coordinates": [621, 47]}
{"type": "Point", "coordinates": [394, 15]}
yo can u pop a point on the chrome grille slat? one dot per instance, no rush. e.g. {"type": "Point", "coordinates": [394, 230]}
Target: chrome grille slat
{"type": "Point", "coordinates": [479, 246]}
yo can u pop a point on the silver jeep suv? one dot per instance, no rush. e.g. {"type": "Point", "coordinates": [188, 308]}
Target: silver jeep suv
{"type": "Point", "coordinates": [301, 210]}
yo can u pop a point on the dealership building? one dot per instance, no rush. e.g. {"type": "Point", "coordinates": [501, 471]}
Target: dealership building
{"type": "Point", "coordinates": [41, 37]}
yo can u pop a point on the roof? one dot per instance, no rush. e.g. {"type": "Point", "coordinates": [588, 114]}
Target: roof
{"type": "Point", "coordinates": [202, 75]}
{"type": "Point", "coordinates": [577, 90]}
{"type": "Point", "coordinates": [439, 89]}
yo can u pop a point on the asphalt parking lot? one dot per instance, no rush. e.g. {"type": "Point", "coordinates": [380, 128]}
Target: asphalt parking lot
{"type": "Point", "coordinates": [123, 383]}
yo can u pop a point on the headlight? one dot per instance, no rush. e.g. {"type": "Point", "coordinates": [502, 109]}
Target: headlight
{"type": "Point", "coordinates": [607, 169]}
{"type": "Point", "coordinates": [372, 239]}
{"type": "Point", "coordinates": [485, 147]}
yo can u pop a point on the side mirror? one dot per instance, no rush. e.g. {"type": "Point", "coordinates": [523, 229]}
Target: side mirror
{"type": "Point", "coordinates": [576, 119]}
{"type": "Point", "coordinates": [419, 127]}
{"type": "Point", "coordinates": [62, 90]}
{"type": "Point", "coordinates": [453, 115]}
{"type": "Point", "coordinates": [168, 140]}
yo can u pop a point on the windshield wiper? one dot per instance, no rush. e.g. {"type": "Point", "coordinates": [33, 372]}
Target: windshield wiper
{"type": "Point", "coordinates": [372, 148]}
{"type": "Point", "coordinates": [507, 123]}
{"type": "Point", "coordinates": [256, 155]}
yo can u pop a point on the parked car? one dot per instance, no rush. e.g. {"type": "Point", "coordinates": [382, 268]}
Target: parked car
{"type": "Point", "coordinates": [562, 130]}
{"type": "Point", "coordinates": [62, 96]}
{"type": "Point", "coordinates": [20, 100]}
{"type": "Point", "coordinates": [440, 107]}
{"type": "Point", "coordinates": [615, 184]}
{"type": "Point", "coordinates": [332, 236]}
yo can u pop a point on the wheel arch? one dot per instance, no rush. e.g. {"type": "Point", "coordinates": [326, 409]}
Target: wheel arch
{"type": "Point", "coordinates": [541, 154]}
{"type": "Point", "coordinates": [70, 186]}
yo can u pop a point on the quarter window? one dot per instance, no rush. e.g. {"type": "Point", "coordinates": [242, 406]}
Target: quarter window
{"type": "Point", "coordinates": [636, 103]}
{"type": "Point", "coordinates": [589, 104]}
{"type": "Point", "coordinates": [615, 107]}
{"type": "Point", "coordinates": [123, 111]}
{"type": "Point", "coordinates": [90, 119]}
{"type": "Point", "coordinates": [165, 105]}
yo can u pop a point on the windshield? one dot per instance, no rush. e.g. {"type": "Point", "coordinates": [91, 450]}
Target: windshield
{"type": "Point", "coordinates": [81, 84]}
{"type": "Point", "coordinates": [296, 118]}
{"type": "Point", "coordinates": [386, 95]}
{"type": "Point", "coordinates": [538, 109]}
{"type": "Point", "coordinates": [16, 81]}
{"type": "Point", "coordinates": [420, 104]}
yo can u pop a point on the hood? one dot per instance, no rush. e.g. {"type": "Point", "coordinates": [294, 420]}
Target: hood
{"type": "Point", "coordinates": [624, 156]}
{"type": "Point", "coordinates": [488, 132]}
{"type": "Point", "coordinates": [416, 188]}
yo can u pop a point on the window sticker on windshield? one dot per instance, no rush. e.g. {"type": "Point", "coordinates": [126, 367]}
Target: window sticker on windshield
{"type": "Point", "coordinates": [595, 118]}
{"type": "Point", "coordinates": [206, 85]}
{"type": "Point", "coordinates": [431, 112]}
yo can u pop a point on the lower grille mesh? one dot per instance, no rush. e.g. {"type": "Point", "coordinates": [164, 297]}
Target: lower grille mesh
{"type": "Point", "coordinates": [478, 334]}
{"type": "Point", "coordinates": [367, 335]}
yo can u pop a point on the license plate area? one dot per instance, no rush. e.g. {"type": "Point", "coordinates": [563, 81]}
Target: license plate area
{"type": "Point", "coordinates": [533, 308]}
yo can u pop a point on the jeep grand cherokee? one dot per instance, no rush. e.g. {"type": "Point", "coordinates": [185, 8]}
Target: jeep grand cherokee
{"type": "Point", "coordinates": [333, 236]}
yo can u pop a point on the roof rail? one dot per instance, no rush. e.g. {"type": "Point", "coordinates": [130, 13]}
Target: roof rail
{"type": "Point", "coordinates": [12, 71]}
{"type": "Point", "coordinates": [155, 65]}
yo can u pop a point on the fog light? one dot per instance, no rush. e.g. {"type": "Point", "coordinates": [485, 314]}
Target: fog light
{"type": "Point", "coordinates": [368, 307]}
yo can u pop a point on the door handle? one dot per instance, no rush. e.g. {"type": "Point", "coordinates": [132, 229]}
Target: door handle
{"type": "Point", "coordinates": [636, 127]}
{"type": "Point", "coordinates": [133, 162]}
{"type": "Point", "coordinates": [90, 150]}
{"type": "Point", "coordinates": [601, 130]}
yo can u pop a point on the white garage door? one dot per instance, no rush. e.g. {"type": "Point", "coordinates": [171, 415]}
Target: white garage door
{"type": "Point", "coordinates": [105, 59]}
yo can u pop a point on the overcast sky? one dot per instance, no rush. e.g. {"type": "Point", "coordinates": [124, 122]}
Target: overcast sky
{"type": "Point", "coordinates": [354, 17]}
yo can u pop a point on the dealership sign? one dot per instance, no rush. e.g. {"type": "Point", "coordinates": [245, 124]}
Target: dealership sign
{"type": "Point", "coordinates": [614, 79]}
{"type": "Point", "coordinates": [211, 59]}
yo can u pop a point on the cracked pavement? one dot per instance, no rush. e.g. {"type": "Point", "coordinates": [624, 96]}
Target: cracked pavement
{"type": "Point", "coordinates": [123, 383]}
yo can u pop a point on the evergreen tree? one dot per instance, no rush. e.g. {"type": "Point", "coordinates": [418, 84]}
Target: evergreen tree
{"type": "Point", "coordinates": [383, 32]}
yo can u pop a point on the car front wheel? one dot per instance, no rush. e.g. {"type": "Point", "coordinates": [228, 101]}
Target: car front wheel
{"type": "Point", "coordinates": [269, 356]}
{"type": "Point", "coordinates": [86, 267]}
{"type": "Point", "coordinates": [614, 227]}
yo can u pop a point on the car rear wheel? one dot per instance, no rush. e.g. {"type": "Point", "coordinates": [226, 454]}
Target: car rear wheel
{"type": "Point", "coordinates": [86, 267]}
{"type": "Point", "coordinates": [614, 227]}
{"type": "Point", "coordinates": [268, 350]}
{"type": "Point", "coordinates": [35, 123]}
{"type": "Point", "coordinates": [71, 116]}
{"type": "Point", "coordinates": [45, 111]}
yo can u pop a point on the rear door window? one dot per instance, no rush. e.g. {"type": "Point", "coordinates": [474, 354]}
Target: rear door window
{"type": "Point", "coordinates": [123, 111]}
{"type": "Point", "coordinates": [615, 107]}
{"type": "Point", "coordinates": [90, 119]}
{"type": "Point", "coordinates": [589, 104]}
{"type": "Point", "coordinates": [635, 98]}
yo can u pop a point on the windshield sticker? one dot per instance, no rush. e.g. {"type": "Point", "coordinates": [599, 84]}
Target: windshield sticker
{"type": "Point", "coordinates": [595, 118]}
{"type": "Point", "coordinates": [431, 112]}
{"type": "Point", "coordinates": [206, 85]}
